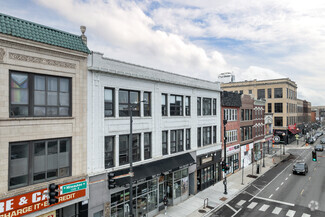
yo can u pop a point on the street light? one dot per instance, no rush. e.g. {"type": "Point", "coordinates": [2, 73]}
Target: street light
{"type": "Point", "coordinates": [225, 154]}
{"type": "Point", "coordinates": [284, 142]}
{"type": "Point", "coordinates": [131, 106]}
{"type": "Point", "coordinates": [263, 155]}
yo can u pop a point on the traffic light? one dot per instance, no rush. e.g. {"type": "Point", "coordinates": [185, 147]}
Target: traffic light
{"type": "Point", "coordinates": [223, 166]}
{"type": "Point", "coordinates": [53, 194]}
{"type": "Point", "coordinates": [314, 155]}
{"type": "Point", "coordinates": [227, 167]}
{"type": "Point", "coordinates": [111, 181]}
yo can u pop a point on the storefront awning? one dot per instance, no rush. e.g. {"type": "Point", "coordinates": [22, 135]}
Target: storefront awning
{"type": "Point", "coordinates": [293, 131]}
{"type": "Point", "coordinates": [155, 168]}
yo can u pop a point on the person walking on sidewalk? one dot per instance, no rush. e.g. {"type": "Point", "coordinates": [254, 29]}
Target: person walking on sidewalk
{"type": "Point", "coordinates": [165, 204]}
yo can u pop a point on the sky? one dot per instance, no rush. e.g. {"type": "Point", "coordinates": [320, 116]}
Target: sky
{"type": "Point", "coordinates": [264, 39]}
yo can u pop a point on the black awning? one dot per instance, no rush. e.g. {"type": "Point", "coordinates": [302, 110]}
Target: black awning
{"type": "Point", "coordinates": [155, 168]}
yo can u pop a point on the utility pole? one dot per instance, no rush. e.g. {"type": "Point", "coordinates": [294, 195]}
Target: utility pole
{"type": "Point", "coordinates": [242, 174]}
{"type": "Point", "coordinates": [263, 155]}
{"type": "Point", "coordinates": [225, 154]}
{"type": "Point", "coordinates": [131, 166]}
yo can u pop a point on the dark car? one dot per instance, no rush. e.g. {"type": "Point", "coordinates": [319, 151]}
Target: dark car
{"type": "Point", "coordinates": [300, 168]}
{"type": "Point", "coordinates": [322, 141]}
{"type": "Point", "coordinates": [319, 147]}
{"type": "Point", "coordinates": [310, 140]}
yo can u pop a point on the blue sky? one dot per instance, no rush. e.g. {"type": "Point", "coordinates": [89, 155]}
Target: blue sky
{"type": "Point", "coordinates": [254, 39]}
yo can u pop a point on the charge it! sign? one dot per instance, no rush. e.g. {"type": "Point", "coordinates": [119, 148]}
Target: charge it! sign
{"type": "Point", "coordinates": [34, 201]}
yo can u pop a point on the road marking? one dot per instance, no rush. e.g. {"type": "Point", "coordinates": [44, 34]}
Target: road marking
{"type": "Point", "coordinates": [286, 178]}
{"type": "Point", "coordinates": [270, 195]}
{"type": "Point", "coordinates": [241, 202]}
{"type": "Point", "coordinates": [248, 193]}
{"type": "Point", "coordinates": [309, 178]}
{"type": "Point", "coordinates": [256, 187]}
{"type": "Point", "coordinates": [275, 201]}
{"type": "Point", "coordinates": [236, 212]}
{"type": "Point", "coordinates": [276, 210]}
{"type": "Point", "coordinates": [291, 213]}
{"type": "Point", "coordinates": [252, 205]}
{"type": "Point", "coordinates": [305, 215]}
{"type": "Point", "coordinates": [231, 207]}
{"type": "Point", "coordinates": [277, 188]}
{"type": "Point", "coordinates": [302, 191]}
{"type": "Point", "coordinates": [264, 208]}
{"type": "Point", "coordinates": [282, 183]}
{"type": "Point", "coordinates": [290, 174]}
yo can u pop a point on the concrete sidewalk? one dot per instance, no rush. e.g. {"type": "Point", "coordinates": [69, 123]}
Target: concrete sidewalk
{"type": "Point", "coordinates": [215, 194]}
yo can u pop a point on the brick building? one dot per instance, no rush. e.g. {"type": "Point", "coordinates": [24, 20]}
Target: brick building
{"type": "Point", "coordinates": [258, 128]}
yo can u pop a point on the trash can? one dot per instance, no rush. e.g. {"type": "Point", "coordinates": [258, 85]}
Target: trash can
{"type": "Point", "coordinates": [258, 169]}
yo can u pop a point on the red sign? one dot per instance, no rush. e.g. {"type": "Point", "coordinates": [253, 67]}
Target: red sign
{"type": "Point", "coordinates": [292, 127]}
{"type": "Point", "coordinates": [34, 201]}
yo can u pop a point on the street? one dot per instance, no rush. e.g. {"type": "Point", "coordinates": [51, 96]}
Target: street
{"type": "Point", "coordinates": [280, 193]}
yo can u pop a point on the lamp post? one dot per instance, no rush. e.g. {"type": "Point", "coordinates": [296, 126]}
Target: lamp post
{"type": "Point", "coordinates": [284, 142]}
{"type": "Point", "coordinates": [131, 106]}
{"type": "Point", "coordinates": [263, 155]}
{"type": "Point", "coordinates": [242, 173]}
{"type": "Point", "coordinates": [225, 154]}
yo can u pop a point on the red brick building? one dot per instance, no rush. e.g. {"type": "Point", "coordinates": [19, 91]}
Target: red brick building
{"type": "Point", "coordinates": [258, 128]}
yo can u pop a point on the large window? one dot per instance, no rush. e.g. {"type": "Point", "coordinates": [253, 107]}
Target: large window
{"type": "Point", "coordinates": [188, 106]}
{"type": "Point", "coordinates": [278, 93]}
{"type": "Point", "coordinates": [246, 114]}
{"type": "Point", "coordinates": [199, 137]}
{"type": "Point", "coordinates": [39, 95]}
{"type": "Point", "coordinates": [231, 136]}
{"type": "Point", "coordinates": [129, 98]}
{"type": "Point", "coordinates": [176, 105]}
{"type": "Point", "coordinates": [246, 133]}
{"type": "Point", "coordinates": [260, 93]}
{"type": "Point", "coordinates": [146, 104]}
{"type": "Point", "coordinates": [176, 141]}
{"type": "Point", "coordinates": [206, 106]}
{"type": "Point", "coordinates": [269, 107]}
{"type": "Point", "coordinates": [164, 142]}
{"type": "Point", "coordinates": [278, 121]}
{"type": "Point", "coordinates": [38, 161]}
{"type": "Point", "coordinates": [269, 93]}
{"type": "Point", "coordinates": [214, 134]}
{"type": "Point", "coordinates": [109, 151]}
{"type": "Point", "coordinates": [199, 106]}
{"type": "Point", "coordinates": [278, 107]}
{"type": "Point", "coordinates": [109, 102]}
{"type": "Point", "coordinates": [164, 104]}
{"type": "Point", "coordinates": [124, 149]}
{"type": "Point", "coordinates": [147, 146]}
{"type": "Point", "coordinates": [188, 139]}
{"type": "Point", "coordinates": [206, 136]}
{"type": "Point", "coordinates": [214, 106]}
{"type": "Point", "coordinates": [230, 114]}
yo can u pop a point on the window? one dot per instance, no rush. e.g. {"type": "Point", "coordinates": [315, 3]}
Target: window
{"type": "Point", "coordinates": [260, 93]}
{"type": "Point", "coordinates": [269, 107]}
{"type": "Point", "coordinates": [164, 142]}
{"type": "Point", "coordinates": [199, 137]}
{"type": "Point", "coordinates": [109, 102]}
{"type": "Point", "coordinates": [38, 161]}
{"type": "Point", "coordinates": [278, 93]}
{"type": "Point", "coordinates": [164, 104]}
{"type": "Point", "coordinates": [231, 136]}
{"type": "Point", "coordinates": [206, 136]}
{"type": "Point", "coordinates": [176, 105]}
{"type": "Point", "coordinates": [214, 134]}
{"type": "Point", "coordinates": [199, 106]}
{"type": "Point", "coordinates": [278, 107]}
{"type": "Point", "coordinates": [243, 114]}
{"type": "Point", "coordinates": [39, 95]}
{"type": "Point", "coordinates": [188, 139]}
{"type": "Point", "coordinates": [124, 149]}
{"type": "Point", "coordinates": [109, 152]}
{"type": "Point", "coordinates": [250, 91]}
{"type": "Point", "coordinates": [278, 121]}
{"type": "Point", "coordinates": [146, 104]}
{"type": "Point", "coordinates": [214, 106]}
{"type": "Point", "coordinates": [241, 92]}
{"type": "Point", "coordinates": [269, 93]}
{"type": "Point", "coordinates": [206, 106]}
{"type": "Point", "coordinates": [147, 146]}
{"type": "Point", "coordinates": [188, 106]}
{"type": "Point", "coordinates": [129, 98]}
{"type": "Point", "coordinates": [99, 214]}
{"type": "Point", "coordinates": [230, 114]}
{"type": "Point", "coordinates": [176, 141]}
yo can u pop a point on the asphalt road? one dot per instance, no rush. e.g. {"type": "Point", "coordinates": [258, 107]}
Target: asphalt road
{"type": "Point", "coordinates": [280, 193]}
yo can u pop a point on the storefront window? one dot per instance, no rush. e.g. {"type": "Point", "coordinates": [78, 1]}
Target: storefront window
{"type": "Point", "coordinates": [177, 189]}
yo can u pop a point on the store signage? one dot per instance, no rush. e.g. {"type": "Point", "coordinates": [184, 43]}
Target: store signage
{"type": "Point", "coordinates": [50, 214]}
{"type": "Point", "coordinates": [34, 201]}
{"type": "Point", "coordinates": [292, 127]}
{"type": "Point", "coordinates": [206, 160]}
{"type": "Point", "coordinates": [73, 187]}
{"type": "Point", "coordinates": [233, 149]}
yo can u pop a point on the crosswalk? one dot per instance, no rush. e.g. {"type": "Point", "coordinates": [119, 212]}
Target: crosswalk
{"type": "Point", "coordinates": [276, 210]}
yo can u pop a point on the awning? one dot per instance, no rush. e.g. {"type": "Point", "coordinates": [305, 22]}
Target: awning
{"type": "Point", "coordinates": [293, 131]}
{"type": "Point", "coordinates": [155, 168]}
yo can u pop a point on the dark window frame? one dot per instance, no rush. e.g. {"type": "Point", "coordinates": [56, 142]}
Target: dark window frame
{"type": "Point", "coordinates": [278, 107]}
{"type": "Point", "coordinates": [207, 136]}
{"type": "Point", "coordinates": [199, 137]}
{"type": "Point", "coordinates": [164, 144]}
{"type": "Point", "coordinates": [188, 139]}
{"type": "Point", "coordinates": [214, 134]}
{"type": "Point", "coordinates": [269, 107]}
{"type": "Point", "coordinates": [164, 107]}
{"type": "Point", "coordinates": [187, 106]}
{"type": "Point", "coordinates": [269, 93]}
{"type": "Point", "coordinates": [174, 108]}
{"type": "Point", "coordinates": [176, 143]}
{"type": "Point", "coordinates": [260, 93]}
{"type": "Point", "coordinates": [147, 104]}
{"type": "Point", "coordinates": [207, 103]}
{"type": "Point", "coordinates": [138, 157]}
{"type": "Point", "coordinates": [277, 93]}
{"type": "Point", "coordinates": [107, 103]}
{"type": "Point", "coordinates": [109, 157]}
{"type": "Point", "coordinates": [135, 112]}
{"type": "Point", "coordinates": [199, 106]}
{"type": "Point", "coordinates": [214, 106]}
{"type": "Point", "coordinates": [147, 148]}
{"type": "Point", "coordinates": [278, 119]}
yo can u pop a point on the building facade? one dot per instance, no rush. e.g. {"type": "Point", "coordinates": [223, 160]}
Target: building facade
{"type": "Point", "coordinates": [176, 142]}
{"type": "Point", "coordinates": [230, 111]}
{"type": "Point", "coordinates": [258, 128]}
{"type": "Point", "coordinates": [43, 75]}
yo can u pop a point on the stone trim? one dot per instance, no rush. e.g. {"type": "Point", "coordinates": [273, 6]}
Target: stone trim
{"type": "Point", "coordinates": [2, 54]}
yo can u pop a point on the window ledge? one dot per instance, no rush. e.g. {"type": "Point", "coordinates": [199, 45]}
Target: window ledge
{"type": "Point", "coordinates": [36, 118]}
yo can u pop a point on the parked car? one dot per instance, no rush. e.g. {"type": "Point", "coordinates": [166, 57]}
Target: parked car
{"type": "Point", "coordinates": [319, 147]}
{"type": "Point", "coordinates": [310, 140]}
{"type": "Point", "coordinates": [322, 141]}
{"type": "Point", "coordinates": [300, 168]}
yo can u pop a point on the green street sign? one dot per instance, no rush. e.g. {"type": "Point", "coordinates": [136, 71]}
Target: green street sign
{"type": "Point", "coordinates": [65, 189]}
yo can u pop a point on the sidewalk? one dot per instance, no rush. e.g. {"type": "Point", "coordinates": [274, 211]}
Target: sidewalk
{"type": "Point", "coordinates": [193, 206]}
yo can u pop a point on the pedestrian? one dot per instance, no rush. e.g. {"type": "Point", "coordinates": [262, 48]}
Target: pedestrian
{"type": "Point", "coordinates": [165, 204]}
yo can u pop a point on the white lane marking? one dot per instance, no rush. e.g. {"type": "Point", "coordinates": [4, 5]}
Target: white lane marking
{"type": "Point", "coordinates": [248, 193]}
{"type": "Point", "coordinates": [305, 215]}
{"type": "Point", "coordinates": [286, 178]}
{"type": "Point", "coordinates": [290, 174]}
{"type": "Point", "coordinates": [264, 208]}
{"type": "Point", "coordinates": [282, 183]}
{"type": "Point", "coordinates": [241, 202]}
{"type": "Point", "coordinates": [276, 210]}
{"type": "Point", "coordinates": [275, 201]}
{"type": "Point", "coordinates": [302, 191]}
{"type": "Point", "coordinates": [236, 212]}
{"type": "Point", "coordinates": [291, 213]}
{"type": "Point", "coordinates": [231, 207]}
{"type": "Point", "coordinates": [252, 205]}
{"type": "Point", "coordinates": [277, 188]}
{"type": "Point", "coordinates": [256, 187]}
{"type": "Point", "coordinates": [270, 195]}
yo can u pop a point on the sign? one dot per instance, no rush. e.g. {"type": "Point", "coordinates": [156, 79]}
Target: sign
{"type": "Point", "coordinates": [292, 127]}
{"type": "Point", "coordinates": [73, 187]}
{"type": "Point", "coordinates": [49, 214]}
{"type": "Point", "coordinates": [233, 149]}
{"type": "Point", "coordinates": [34, 201]}
{"type": "Point", "coordinates": [206, 160]}
{"type": "Point", "coordinates": [276, 139]}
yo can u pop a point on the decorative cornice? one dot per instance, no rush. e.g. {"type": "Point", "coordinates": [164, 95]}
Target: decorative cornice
{"type": "Point", "coordinates": [2, 54]}
{"type": "Point", "coordinates": [44, 61]}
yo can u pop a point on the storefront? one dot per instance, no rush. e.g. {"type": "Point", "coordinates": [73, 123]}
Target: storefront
{"type": "Point", "coordinates": [257, 151]}
{"type": "Point", "coordinates": [233, 158]}
{"type": "Point", "coordinates": [208, 170]}
{"type": "Point", "coordinates": [246, 154]}
{"type": "Point", "coordinates": [152, 182]}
